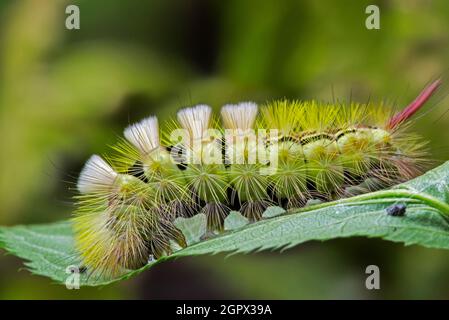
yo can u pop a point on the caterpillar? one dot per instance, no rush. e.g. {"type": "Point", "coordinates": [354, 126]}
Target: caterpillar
{"type": "Point", "coordinates": [282, 153]}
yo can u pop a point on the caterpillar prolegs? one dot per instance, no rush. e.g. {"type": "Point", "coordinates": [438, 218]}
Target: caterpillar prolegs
{"type": "Point", "coordinates": [283, 153]}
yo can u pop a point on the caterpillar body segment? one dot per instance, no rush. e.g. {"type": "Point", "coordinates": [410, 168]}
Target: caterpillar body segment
{"type": "Point", "coordinates": [283, 153]}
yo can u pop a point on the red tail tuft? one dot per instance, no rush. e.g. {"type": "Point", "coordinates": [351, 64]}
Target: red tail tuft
{"type": "Point", "coordinates": [408, 111]}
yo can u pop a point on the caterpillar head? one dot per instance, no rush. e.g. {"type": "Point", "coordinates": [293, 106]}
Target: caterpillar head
{"type": "Point", "coordinates": [116, 220]}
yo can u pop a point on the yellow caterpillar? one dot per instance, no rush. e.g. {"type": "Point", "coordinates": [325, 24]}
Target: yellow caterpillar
{"type": "Point", "coordinates": [283, 153]}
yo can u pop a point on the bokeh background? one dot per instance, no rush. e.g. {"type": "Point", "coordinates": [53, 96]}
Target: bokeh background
{"type": "Point", "coordinates": [67, 94]}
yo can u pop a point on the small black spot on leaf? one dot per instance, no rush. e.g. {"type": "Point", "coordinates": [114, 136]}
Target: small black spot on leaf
{"type": "Point", "coordinates": [396, 210]}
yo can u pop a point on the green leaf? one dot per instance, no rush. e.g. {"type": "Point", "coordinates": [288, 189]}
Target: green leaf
{"type": "Point", "coordinates": [49, 249]}
{"type": "Point", "coordinates": [193, 228]}
{"type": "Point", "coordinates": [272, 212]}
{"type": "Point", "coordinates": [234, 221]}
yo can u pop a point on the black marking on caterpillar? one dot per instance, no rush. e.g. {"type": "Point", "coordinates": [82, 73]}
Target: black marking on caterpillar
{"type": "Point", "coordinates": [340, 134]}
{"type": "Point", "coordinates": [136, 170]}
{"type": "Point", "coordinates": [315, 137]}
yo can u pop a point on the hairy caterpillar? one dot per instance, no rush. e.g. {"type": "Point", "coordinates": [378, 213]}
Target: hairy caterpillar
{"type": "Point", "coordinates": [283, 153]}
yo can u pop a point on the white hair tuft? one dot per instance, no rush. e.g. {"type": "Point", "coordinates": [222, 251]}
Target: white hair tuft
{"type": "Point", "coordinates": [96, 175]}
{"type": "Point", "coordinates": [239, 116]}
{"type": "Point", "coordinates": [196, 120]}
{"type": "Point", "coordinates": [144, 135]}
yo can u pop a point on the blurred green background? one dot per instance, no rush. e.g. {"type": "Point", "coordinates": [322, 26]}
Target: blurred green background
{"type": "Point", "coordinates": [67, 94]}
